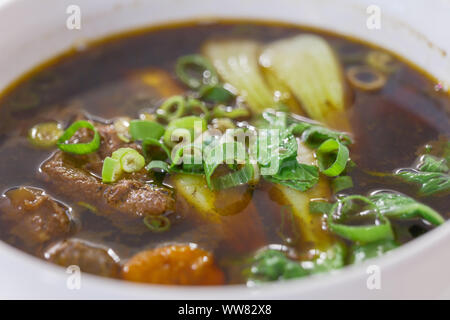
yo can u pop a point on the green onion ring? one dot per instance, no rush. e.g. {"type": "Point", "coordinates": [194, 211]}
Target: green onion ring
{"type": "Point", "coordinates": [157, 223]}
{"type": "Point", "coordinates": [218, 155]}
{"type": "Point", "coordinates": [79, 148]}
{"type": "Point", "coordinates": [194, 105]}
{"type": "Point", "coordinates": [362, 234]}
{"type": "Point", "coordinates": [187, 123]}
{"type": "Point", "coordinates": [328, 147]}
{"type": "Point", "coordinates": [153, 142]}
{"type": "Point", "coordinates": [111, 171]}
{"type": "Point", "coordinates": [158, 164]}
{"type": "Point", "coordinates": [200, 62]}
{"type": "Point", "coordinates": [164, 111]}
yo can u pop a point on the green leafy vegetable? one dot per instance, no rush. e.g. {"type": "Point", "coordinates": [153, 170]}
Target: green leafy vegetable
{"type": "Point", "coordinates": [341, 183]}
{"type": "Point", "coordinates": [429, 182]}
{"type": "Point", "coordinates": [429, 163]}
{"type": "Point", "coordinates": [432, 174]}
{"type": "Point", "coordinates": [393, 205]}
{"type": "Point", "coordinates": [271, 265]}
{"type": "Point", "coordinates": [295, 175]}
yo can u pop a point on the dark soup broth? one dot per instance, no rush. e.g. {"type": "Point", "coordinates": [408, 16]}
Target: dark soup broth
{"type": "Point", "coordinates": [357, 137]}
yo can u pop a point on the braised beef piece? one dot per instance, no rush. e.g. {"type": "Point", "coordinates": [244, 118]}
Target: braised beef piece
{"type": "Point", "coordinates": [89, 258]}
{"type": "Point", "coordinates": [33, 217]}
{"type": "Point", "coordinates": [78, 178]}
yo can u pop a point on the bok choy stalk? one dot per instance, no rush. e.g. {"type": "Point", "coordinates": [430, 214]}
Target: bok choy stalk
{"type": "Point", "coordinates": [237, 64]}
{"type": "Point", "coordinates": [243, 231]}
{"type": "Point", "coordinates": [310, 69]}
{"type": "Point", "coordinates": [310, 225]}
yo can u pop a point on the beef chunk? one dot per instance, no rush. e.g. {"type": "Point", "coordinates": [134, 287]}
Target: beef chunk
{"type": "Point", "coordinates": [34, 217]}
{"type": "Point", "coordinates": [89, 258]}
{"type": "Point", "coordinates": [130, 196]}
{"type": "Point", "coordinates": [78, 178]}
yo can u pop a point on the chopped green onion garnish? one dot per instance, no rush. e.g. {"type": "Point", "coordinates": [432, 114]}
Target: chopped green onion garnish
{"type": "Point", "coordinates": [221, 154]}
{"type": "Point", "coordinates": [111, 171]}
{"type": "Point", "coordinates": [143, 129]}
{"type": "Point", "coordinates": [79, 148]}
{"type": "Point", "coordinates": [158, 164]}
{"type": "Point", "coordinates": [186, 156]}
{"type": "Point", "coordinates": [187, 65]}
{"type": "Point", "coordinates": [197, 107]}
{"type": "Point", "coordinates": [187, 123]}
{"type": "Point", "coordinates": [332, 157]}
{"type": "Point", "coordinates": [148, 143]}
{"type": "Point", "coordinates": [45, 135]}
{"type": "Point", "coordinates": [172, 108]}
{"type": "Point", "coordinates": [215, 93]}
{"type": "Point", "coordinates": [157, 223]}
{"type": "Point", "coordinates": [122, 127]}
{"type": "Point", "coordinates": [130, 160]}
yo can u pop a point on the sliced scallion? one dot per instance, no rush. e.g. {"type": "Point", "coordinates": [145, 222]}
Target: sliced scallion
{"type": "Point", "coordinates": [111, 171]}
{"type": "Point", "coordinates": [79, 148]}
{"type": "Point", "coordinates": [45, 135]}
{"type": "Point", "coordinates": [157, 223]}
{"type": "Point", "coordinates": [189, 124]}
{"type": "Point", "coordinates": [332, 157]}
{"type": "Point", "coordinates": [381, 230]}
{"type": "Point", "coordinates": [172, 108]}
{"type": "Point", "coordinates": [143, 129]}
{"type": "Point", "coordinates": [186, 66]}
{"type": "Point", "coordinates": [215, 93]}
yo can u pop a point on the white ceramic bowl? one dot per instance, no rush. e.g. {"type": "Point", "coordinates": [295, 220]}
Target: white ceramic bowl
{"type": "Point", "coordinates": [34, 31]}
